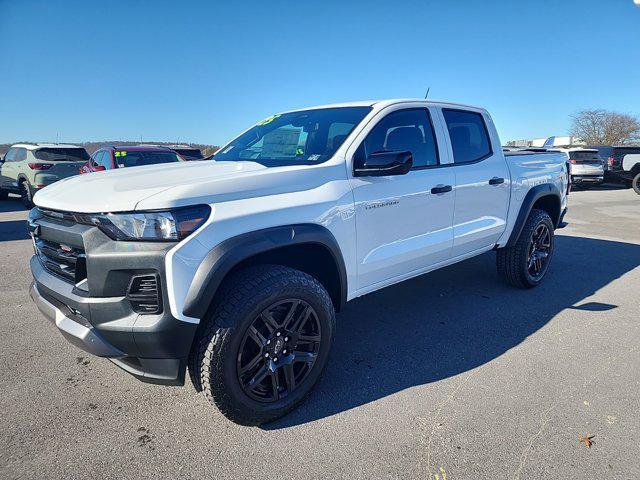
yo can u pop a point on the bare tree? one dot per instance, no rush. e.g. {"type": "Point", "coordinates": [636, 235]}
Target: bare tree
{"type": "Point", "coordinates": [602, 127]}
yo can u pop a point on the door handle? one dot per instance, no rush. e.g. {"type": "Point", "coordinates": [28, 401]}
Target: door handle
{"type": "Point", "coordinates": [496, 181]}
{"type": "Point", "coordinates": [441, 189]}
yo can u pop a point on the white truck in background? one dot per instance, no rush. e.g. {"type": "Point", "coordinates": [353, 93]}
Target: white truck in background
{"type": "Point", "coordinates": [233, 269]}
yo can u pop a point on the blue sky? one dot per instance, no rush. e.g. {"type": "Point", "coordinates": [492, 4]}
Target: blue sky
{"type": "Point", "coordinates": [204, 71]}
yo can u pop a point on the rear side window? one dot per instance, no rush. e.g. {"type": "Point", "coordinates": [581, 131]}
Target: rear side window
{"type": "Point", "coordinates": [21, 154]}
{"type": "Point", "coordinates": [62, 154]}
{"type": "Point", "coordinates": [405, 130]}
{"type": "Point", "coordinates": [468, 134]}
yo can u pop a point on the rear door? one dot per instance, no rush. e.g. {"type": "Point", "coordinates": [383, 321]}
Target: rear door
{"type": "Point", "coordinates": [482, 180]}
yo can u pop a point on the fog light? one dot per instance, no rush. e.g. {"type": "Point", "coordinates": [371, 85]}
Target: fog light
{"type": "Point", "coordinates": [144, 294]}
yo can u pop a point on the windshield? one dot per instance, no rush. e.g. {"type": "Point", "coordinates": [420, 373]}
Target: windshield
{"type": "Point", "coordinates": [140, 158]}
{"type": "Point", "coordinates": [62, 154]}
{"type": "Point", "coordinates": [189, 153]}
{"type": "Point", "coordinates": [297, 138]}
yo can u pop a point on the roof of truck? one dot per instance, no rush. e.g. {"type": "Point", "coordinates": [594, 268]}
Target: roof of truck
{"type": "Point", "coordinates": [384, 103]}
{"type": "Point", "coordinates": [35, 146]}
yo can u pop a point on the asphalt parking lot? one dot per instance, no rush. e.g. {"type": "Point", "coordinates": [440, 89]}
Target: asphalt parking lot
{"type": "Point", "coordinates": [453, 374]}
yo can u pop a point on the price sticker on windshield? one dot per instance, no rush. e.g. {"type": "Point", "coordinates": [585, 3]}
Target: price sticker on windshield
{"type": "Point", "coordinates": [121, 154]}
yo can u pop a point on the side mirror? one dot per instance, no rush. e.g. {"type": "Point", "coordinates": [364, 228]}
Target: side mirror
{"type": "Point", "coordinates": [98, 168]}
{"type": "Point", "coordinates": [380, 164]}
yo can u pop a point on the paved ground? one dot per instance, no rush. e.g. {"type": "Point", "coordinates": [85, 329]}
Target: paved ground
{"type": "Point", "coordinates": [453, 373]}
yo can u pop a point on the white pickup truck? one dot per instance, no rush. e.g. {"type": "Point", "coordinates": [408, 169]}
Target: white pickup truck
{"type": "Point", "coordinates": [233, 269]}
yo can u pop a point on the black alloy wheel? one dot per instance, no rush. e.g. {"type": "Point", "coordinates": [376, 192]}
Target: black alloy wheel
{"type": "Point", "coordinates": [539, 251]}
{"type": "Point", "coordinates": [279, 350]}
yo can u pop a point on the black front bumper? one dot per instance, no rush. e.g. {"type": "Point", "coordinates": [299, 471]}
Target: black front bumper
{"type": "Point", "coordinates": [97, 315]}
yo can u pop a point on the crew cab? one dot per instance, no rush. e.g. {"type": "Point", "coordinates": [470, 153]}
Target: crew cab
{"type": "Point", "coordinates": [112, 157]}
{"type": "Point", "coordinates": [233, 269]}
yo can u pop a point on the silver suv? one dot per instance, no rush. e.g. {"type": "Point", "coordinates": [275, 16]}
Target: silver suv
{"type": "Point", "coordinates": [26, 168]}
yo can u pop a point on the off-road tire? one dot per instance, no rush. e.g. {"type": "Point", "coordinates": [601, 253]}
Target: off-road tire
{"type": "Point", "coordinates": [241, 298]}
{"type": "Point", "coordinates": [25, 194]}
{"type": "Point", "coordinates": [635, 184]}
{"type": "Point", "coordinates": [512, 261]}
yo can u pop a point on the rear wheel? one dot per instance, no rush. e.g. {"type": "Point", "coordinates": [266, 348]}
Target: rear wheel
{"type": "Point", "coordinates": [526, 263]}
{"type": "Point", "coordinates": [25, 194]}
{"type": "Point", "coordinates": [265, 345]}
{"type": "Point", "coordinates": [635, 183]}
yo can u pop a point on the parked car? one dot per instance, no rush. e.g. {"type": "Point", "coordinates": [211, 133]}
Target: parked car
{"type": "Point", "coordinates": [26, 168]}
{"type": "Point", "coordinates": [234, 269]}
{"type": "Point", "coordinates": [112, 157]}
{"type": "Point", "coordinates": [587, 169]}
{"type": "Point", "coordinates": [613, 159]}
{"type": "Point", "coordinates": [186, 152]}
{"type": "Point", "coordinates": [631, 170]}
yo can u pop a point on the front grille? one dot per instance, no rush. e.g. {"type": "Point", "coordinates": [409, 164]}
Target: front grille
{"type": "Point", "coordinates": [144, 294]}
{"type": "Point", "coordinates": [57, 216]}
{"type": "Point", "coordinates": [68, 263]}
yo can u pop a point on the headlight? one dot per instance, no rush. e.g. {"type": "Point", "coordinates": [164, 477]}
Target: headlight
{"type": "Point", "coordinates": [168, 226]}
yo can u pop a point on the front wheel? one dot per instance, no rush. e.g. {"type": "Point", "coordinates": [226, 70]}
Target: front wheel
{"type": "Point", "coordinates": [265, 345]}
{"type": "Point", "coordinates": [635, 183]}
{"type": "Point", "coordinates": [526, 263]}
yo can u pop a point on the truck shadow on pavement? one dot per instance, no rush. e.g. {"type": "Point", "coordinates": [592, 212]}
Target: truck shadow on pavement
{"type": "Point", "coordinates": [13, 230]}
{"type": "Point", "coordinates": [451, 321]}
{"type": "Point", "coordinates": [12, 204]}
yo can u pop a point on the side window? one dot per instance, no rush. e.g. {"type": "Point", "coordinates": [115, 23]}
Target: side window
{"type": "Point", "coordinates": [95, 158]}
{"type": "Point", "coordinates": [468, 134]}
{"type": "Point", "coordinates": [20, 155]}
{"type": "Point", "coordinates": [404, 130]}
{"type": "Point", "coordinates": [105, 160]}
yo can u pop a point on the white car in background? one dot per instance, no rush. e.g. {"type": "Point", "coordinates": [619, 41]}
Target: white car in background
{"type": "Point", "coordinates": [585, 166]}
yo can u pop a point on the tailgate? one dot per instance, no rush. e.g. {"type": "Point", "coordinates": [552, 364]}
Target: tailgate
{"type": "Point", "coordinates": [65, 169]}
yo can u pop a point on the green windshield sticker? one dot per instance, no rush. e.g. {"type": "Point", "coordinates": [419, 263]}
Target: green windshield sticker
{"type": "Point", "coordinates": [121, 154]}
{"type": "Point", "coordinates": [268, 119]}
{"type": "Point", "coordinates": [299, 151]}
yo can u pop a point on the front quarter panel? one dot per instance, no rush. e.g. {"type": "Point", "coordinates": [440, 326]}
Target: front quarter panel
{"type": "Point", "coordinates": [325, 200]}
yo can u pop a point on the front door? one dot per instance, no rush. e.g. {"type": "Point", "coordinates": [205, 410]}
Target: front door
{"type": "Point", "coordinates": [403, 226]}
{"type": "Point", "coordinates": [8, 171]}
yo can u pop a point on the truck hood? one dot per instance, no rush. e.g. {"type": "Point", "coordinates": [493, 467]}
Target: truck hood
{"type": "Point", "coordinates": [123, 189]}
{"type": "Point", "coordinates": [167, 186]}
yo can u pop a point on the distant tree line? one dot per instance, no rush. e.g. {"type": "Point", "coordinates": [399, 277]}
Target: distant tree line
{"type": "Point", "coordinates": [604, 127]}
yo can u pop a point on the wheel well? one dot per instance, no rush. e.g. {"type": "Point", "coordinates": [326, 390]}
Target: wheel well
{"type": "Point", "coordinates": [314, 259]}
{"type": "Point", "coordinates": [551, 205]}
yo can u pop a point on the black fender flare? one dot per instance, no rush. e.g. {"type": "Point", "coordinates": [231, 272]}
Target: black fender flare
{"type": "Point", "coordinates": [533, 195]}
{"type": "Point", "coordinates": [225, 256]}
